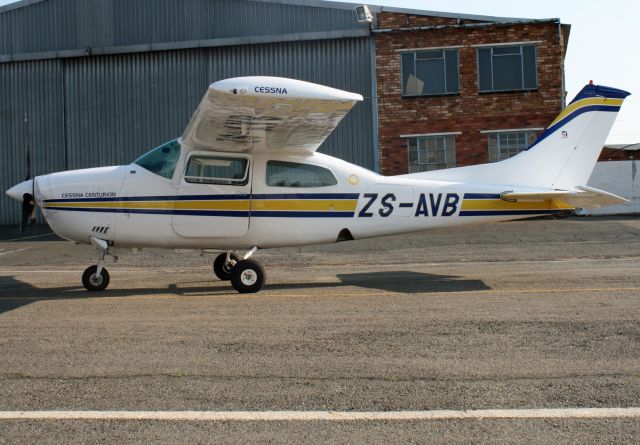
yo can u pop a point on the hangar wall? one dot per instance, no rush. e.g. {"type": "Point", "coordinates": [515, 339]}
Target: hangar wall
{"type": "Point", "coordinates": [104, 110]}
{"type": "Point", "coordinates": [620, 178]}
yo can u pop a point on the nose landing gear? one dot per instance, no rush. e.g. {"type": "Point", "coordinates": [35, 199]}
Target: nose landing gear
{"type": "Point", "coordinates": [96, 277]}
{"type": "Point", "coordinates": [247, 275]}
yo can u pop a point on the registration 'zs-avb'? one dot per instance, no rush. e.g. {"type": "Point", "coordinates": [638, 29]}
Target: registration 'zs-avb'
{"type": "Point", "coordinates": [245, 175]}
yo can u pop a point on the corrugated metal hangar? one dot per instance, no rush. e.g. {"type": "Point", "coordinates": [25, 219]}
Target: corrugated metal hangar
{"type": "Point", "coordinates": [103, 81]}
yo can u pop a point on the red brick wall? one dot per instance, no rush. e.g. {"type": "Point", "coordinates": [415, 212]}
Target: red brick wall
{"type": "Point", "coordinates": [468, 112]}
{"type": "Point", "coordinates": [616, 154]}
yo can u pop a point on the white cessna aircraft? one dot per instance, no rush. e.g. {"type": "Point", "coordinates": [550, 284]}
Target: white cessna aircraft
{"type": "Point", "coordinates": [245, 175]}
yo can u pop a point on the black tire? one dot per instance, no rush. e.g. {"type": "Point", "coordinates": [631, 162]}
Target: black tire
{"type": "Point", "coordinates": [248, 276]}
{"type": "Point", "coordinates": [93, 283]}
{"type": "Point", "coordinates": [220, 269]}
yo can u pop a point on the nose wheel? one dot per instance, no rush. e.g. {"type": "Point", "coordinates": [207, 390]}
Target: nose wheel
{"type": "Point", "coordinates": [93, 280]}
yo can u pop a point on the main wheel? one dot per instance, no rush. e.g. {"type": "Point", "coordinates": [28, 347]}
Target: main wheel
{"type": "Point", "coordinates": [248, 276]}
{"type": "Point", "coordinates": [221, 270]}
{"type": "Point", "coordinates": [92, 281]}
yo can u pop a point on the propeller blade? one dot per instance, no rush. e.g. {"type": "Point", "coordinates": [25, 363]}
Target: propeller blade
{"type": "Point", "coordinates": [28, 199]}
{"type": "Point", "coordinates": [26, 146]}
{"type": "Point", "coordinates": [28, 207]}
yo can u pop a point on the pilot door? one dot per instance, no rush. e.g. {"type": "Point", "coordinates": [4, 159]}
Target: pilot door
{"type": "Point", "coordinates": [214, 196]}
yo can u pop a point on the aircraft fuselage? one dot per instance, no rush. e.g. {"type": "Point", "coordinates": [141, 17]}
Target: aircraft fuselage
{"type": "Point", "coordinates": [129, 206]}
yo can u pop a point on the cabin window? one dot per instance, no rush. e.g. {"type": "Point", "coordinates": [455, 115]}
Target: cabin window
{"type": "Point", "coordinates": [431, 152]}
{"type": "Point", "coordinates": [293, 174]}
{"type": "Point", "coordinates": [217, 170]}
{"type": "Point", "coordinates": [161, 160]}
{"type": "Point", "coordinates": [503, 145]}
{"type": "Point", "coordinates": [430, 72]}
{"type": "Point", "coordinates": [507, 68]}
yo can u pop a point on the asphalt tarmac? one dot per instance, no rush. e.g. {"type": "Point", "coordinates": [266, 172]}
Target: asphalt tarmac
{"type": "Point", "coordinates": [532, 314]}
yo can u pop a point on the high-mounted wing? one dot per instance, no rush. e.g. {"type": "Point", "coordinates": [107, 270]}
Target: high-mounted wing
{"type": "Point", "coordinates": [267, 114]}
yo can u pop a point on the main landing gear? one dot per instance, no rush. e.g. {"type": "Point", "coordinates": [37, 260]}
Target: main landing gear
{"type": "Point", "coordinates": [96, 277]}
{"type": "Point", "coordinates": [247, 275]}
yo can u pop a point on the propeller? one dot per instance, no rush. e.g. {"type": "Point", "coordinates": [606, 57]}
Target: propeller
{"type": "Point", "coordinates": [28, 199]}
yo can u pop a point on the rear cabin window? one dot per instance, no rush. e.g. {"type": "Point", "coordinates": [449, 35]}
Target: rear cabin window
{"type": "Point", "coordinates": [161, 160]}
{"type": "Point", "coordinates": [293, 174]}
{"type": "Point", "coordinates": [217, 170]}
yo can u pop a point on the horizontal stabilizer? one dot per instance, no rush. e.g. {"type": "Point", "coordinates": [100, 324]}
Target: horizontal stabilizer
{"type": "Point", "coordinates": [584, 197]}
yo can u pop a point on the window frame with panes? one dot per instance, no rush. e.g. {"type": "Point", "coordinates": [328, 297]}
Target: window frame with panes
{"type": "Point", "coordinates": [431, 152]}
{"type": "Point", "coordinates": [440, 69]}
{"type": "Point", "coordinates": [506, 144]}
{"type": "Point", "coordinates": [507, 68]}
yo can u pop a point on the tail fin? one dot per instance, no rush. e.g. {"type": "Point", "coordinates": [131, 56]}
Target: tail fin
{"type": "Point", "coordinates": [563, 156]}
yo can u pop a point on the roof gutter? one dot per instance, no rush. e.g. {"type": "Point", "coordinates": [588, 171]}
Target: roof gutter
{"type": "Point", "coordinates": [462, 25]}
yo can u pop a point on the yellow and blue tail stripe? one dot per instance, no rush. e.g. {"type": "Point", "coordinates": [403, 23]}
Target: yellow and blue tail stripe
{"type": "Point", "coordinates": [590, 98]}
{"type": "Point", "coordinates": [295, 205]}
{"type": "Point", "coordinates": [486, 204]}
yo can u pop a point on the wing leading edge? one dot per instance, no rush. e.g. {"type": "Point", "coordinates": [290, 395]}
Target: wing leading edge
{"type": "Point", "coordinates": [267, 114]}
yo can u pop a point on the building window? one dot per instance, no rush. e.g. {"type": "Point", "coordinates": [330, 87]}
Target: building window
{"type": "Point", "coordinates": [503, 145]}
{"type": "Point", "coordinates": [507, 68]}
{"type": "Point", "coordinates": [430, 72]}
{"type": "Point", "coordinates": [431, 152]}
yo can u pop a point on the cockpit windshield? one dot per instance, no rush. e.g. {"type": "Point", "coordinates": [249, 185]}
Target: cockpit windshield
{"type": "Point", "coordinates": [161, 160]}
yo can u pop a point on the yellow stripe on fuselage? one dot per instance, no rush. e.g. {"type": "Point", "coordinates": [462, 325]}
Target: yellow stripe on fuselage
{"type": "Point", "coordinates": [499, 204]}
{"type": "Point", "coordinates": [306, 204]}
{"type": "Point", "coordinates": [585, 103]}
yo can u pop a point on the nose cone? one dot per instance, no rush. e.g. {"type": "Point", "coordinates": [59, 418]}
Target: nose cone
{"type": "Point", "coordinates": [17, 191]}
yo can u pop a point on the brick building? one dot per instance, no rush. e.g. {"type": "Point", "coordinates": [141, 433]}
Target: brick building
{"type": "Point", "coordinates": [456, 90]}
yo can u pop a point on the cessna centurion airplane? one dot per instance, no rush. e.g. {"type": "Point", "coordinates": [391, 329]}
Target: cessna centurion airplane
{"type": "Point", "coordinates": [246, 175]}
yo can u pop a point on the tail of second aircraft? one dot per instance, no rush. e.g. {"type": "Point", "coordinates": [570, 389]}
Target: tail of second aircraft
{"type": "Point", "coordinates": [562, 158]}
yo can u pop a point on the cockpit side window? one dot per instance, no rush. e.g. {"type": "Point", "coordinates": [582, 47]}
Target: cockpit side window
{"type": "Point", "coordinates": [161, 160]}
{"type": "Point", "coordinates": [294, 174]}
{"type": "Point", "coordinates": [217, 170]}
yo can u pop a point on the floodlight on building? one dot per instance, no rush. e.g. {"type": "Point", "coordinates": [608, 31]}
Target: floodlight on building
{"type": "Point", "coordinates": [364, 15]}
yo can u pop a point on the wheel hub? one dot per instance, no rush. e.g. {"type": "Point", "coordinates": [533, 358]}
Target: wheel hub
{"type": "Point", "coordinates": [96, 279]}
{"type": "Point", "coordinates": [249, 277]}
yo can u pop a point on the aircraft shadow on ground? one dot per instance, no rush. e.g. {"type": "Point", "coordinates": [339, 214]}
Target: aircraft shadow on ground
{"type": "Point", "coordinates": [16, 293]}
{"type": "Point", "coordinates": [407, 282]}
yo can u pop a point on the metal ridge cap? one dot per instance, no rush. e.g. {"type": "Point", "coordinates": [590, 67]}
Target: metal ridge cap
{"type": "Point", "coordinates": [186, 44]}
{"type": "Point", "coordinates": [458, 15]}
{"type": "Point", "coordinates": [19, 4]}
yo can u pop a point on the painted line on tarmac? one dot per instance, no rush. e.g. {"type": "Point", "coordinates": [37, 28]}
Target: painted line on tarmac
{"type": "Point", "coordinates": [543, 413]}
{"type": "Point", "coordinates": [29, 272]}
{"type": "Point", "coordinates": [28, 237]}
{"type": "Point", "coordinates": [183, 293]}
{"type": "Point", "coordinates": [14, 251]}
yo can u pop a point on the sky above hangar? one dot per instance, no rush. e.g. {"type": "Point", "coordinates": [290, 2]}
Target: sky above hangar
{"type": "Point", "coordinates": [601, 45]}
